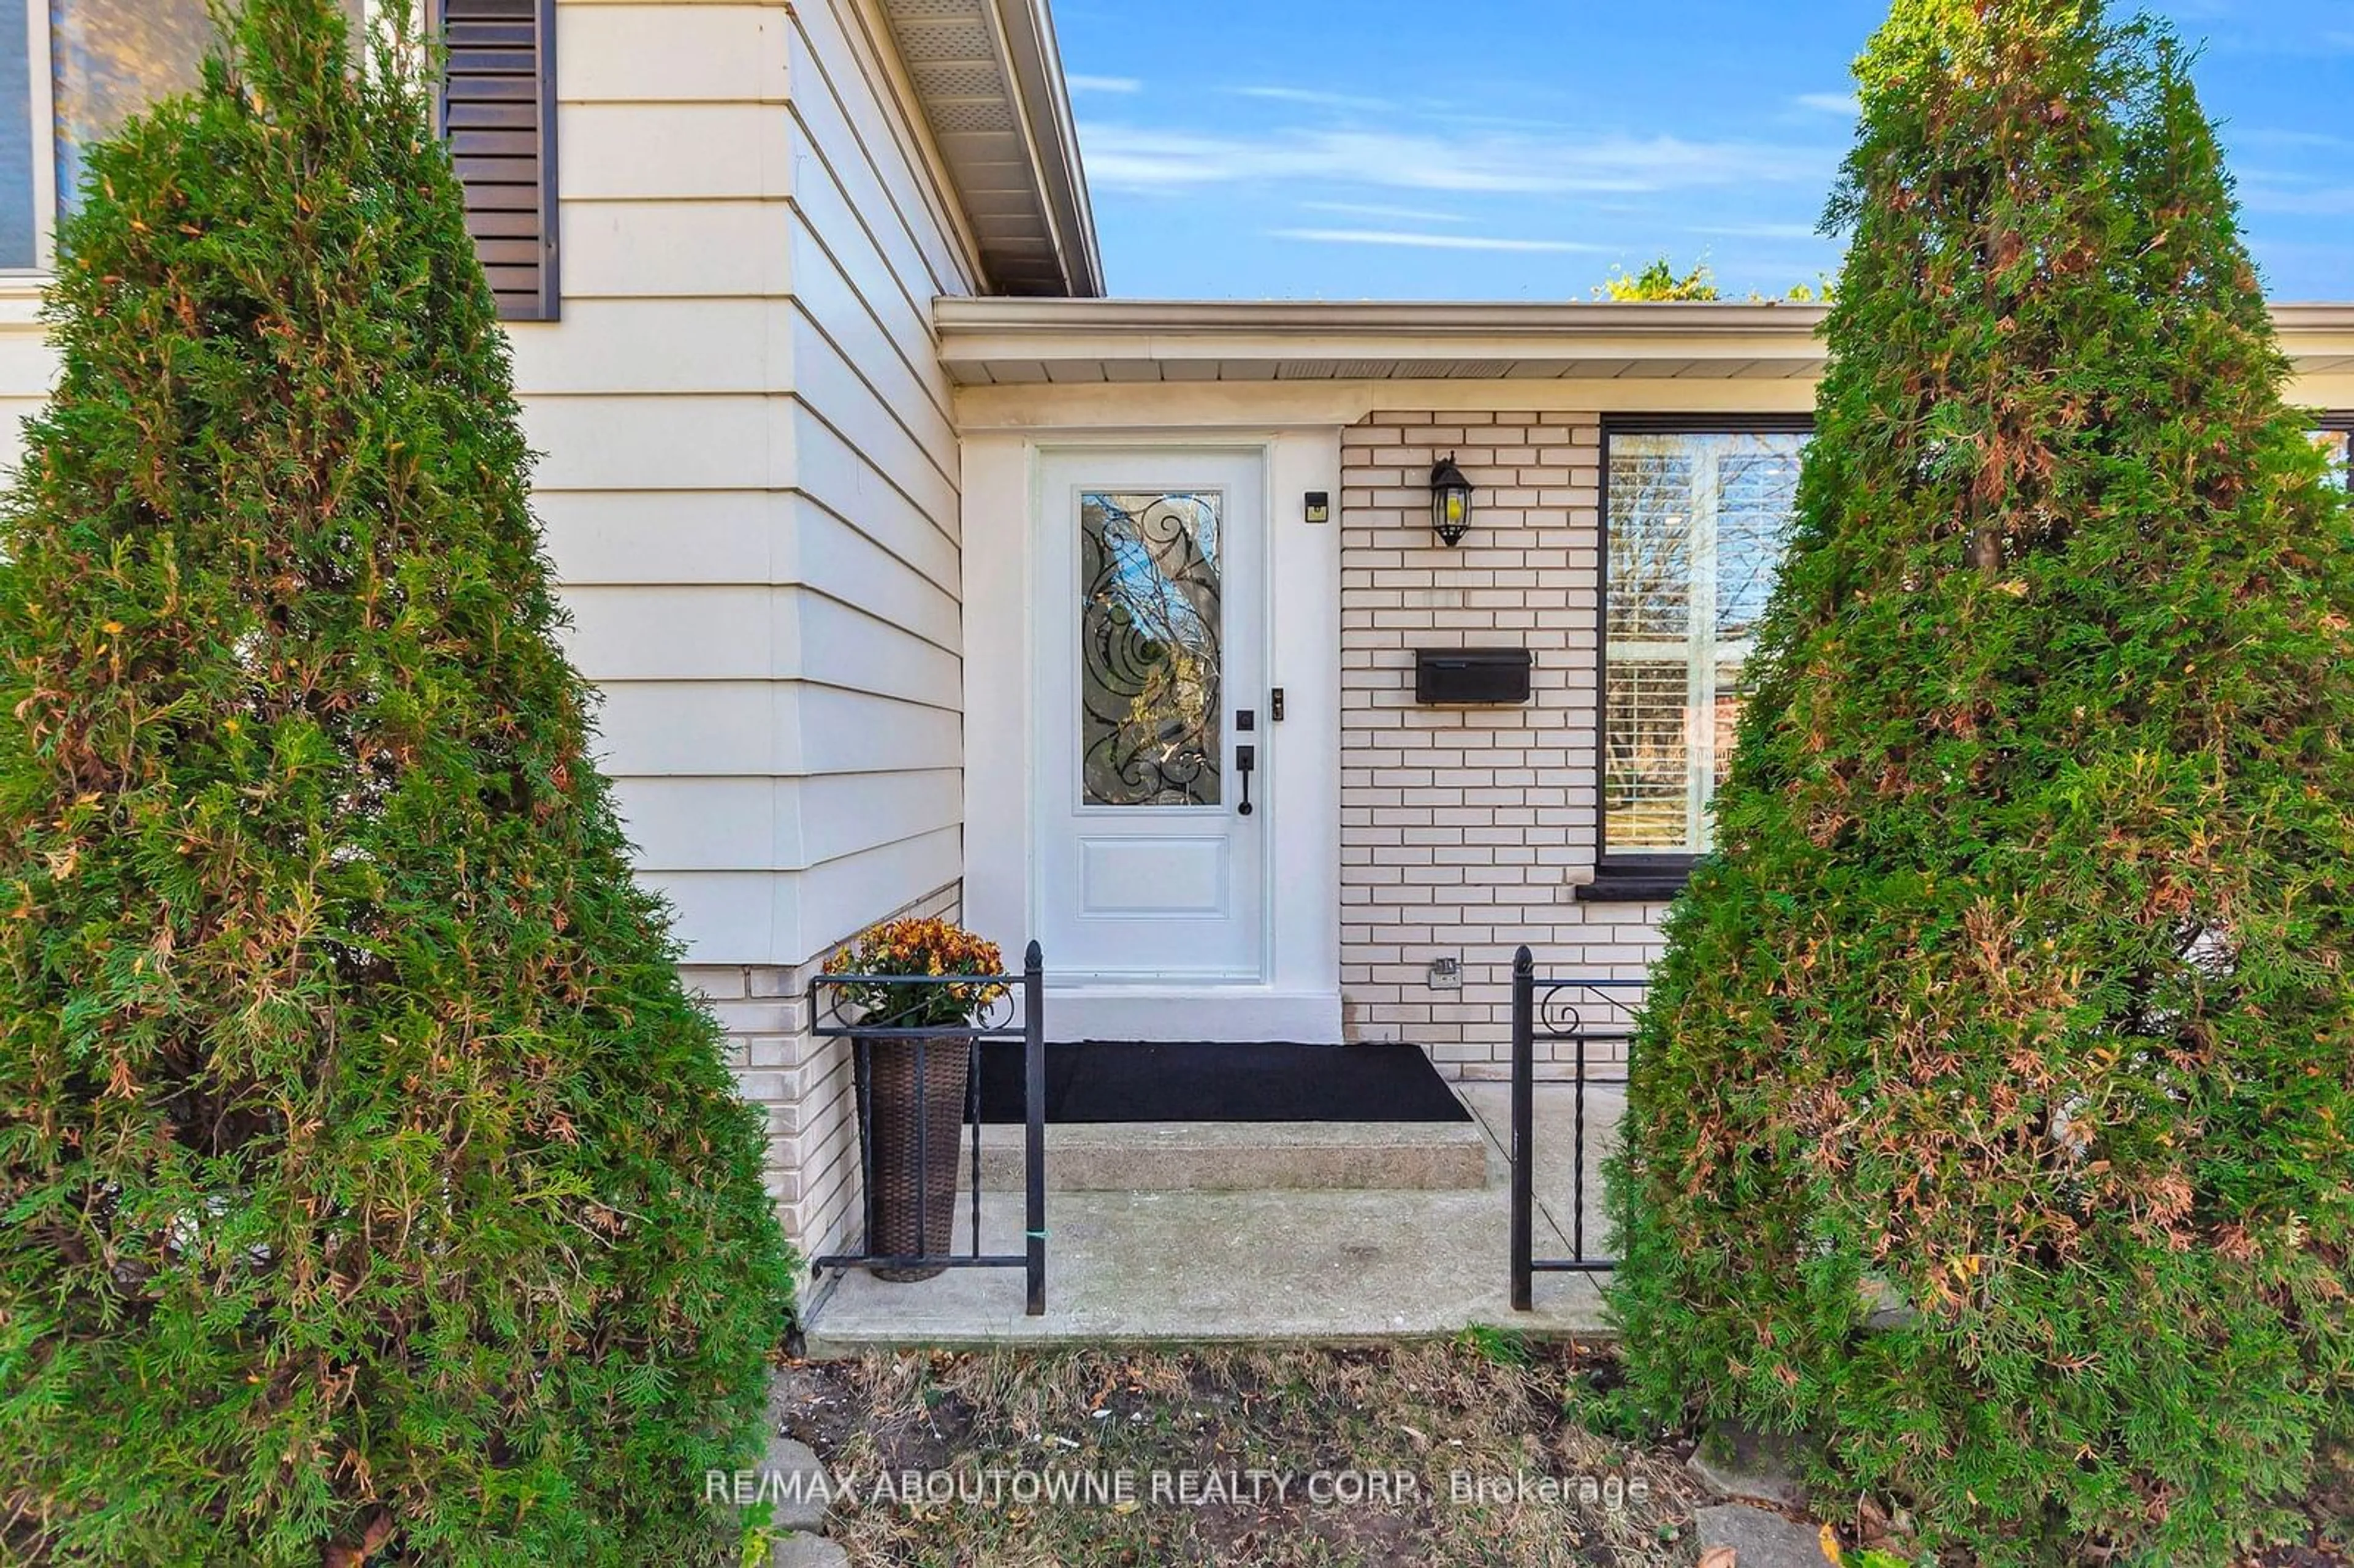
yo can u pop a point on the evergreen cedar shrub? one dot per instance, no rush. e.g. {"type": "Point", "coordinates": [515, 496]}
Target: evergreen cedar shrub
{"type": "Point", "coordinates": [2016, 996]}
{"type": "Point", "coordinates": [370, 1186]}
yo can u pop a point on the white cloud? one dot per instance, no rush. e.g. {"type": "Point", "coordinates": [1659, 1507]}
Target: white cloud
{"type": "Point", "coordinates": [2333, 201]}
{"type": "Point", "coordinates": [1375, 209]}
{"type": "Point", "coordinates": [1104, 84]}
{"type": "Point", "coordinates": [1845, 104]}
{"type": "Point", "coordinates": [1128, 158]}
{"type": "Point", "coordinates": [1427, 241]}
{"type": "Point", "coordinates": [1312, 97]}
{"type": "Point", "coordinates": [2277, 136]}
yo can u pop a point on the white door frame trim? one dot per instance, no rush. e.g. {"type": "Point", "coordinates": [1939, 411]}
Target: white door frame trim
{"type": "Point", "coordinates": [1301, 997]}
{"type": "Point", "coordinates": [1249, 574]}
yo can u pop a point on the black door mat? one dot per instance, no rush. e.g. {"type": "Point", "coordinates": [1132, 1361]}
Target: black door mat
{"type": "Point", "coordinates": [1119, 1082]}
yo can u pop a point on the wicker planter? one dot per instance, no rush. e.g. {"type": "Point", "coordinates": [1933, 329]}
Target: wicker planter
{"type": "Point", "coordinates": [897, 1107]}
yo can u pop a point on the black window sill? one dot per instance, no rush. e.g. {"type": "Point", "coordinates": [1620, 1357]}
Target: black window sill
{"type": "Point", "coordinates": [1633, 887]}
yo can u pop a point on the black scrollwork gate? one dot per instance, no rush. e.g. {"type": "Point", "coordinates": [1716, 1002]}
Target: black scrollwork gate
{"type": "Point", "coordinates": [1585, 1014]}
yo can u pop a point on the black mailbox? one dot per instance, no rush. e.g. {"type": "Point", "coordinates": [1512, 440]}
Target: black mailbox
{"type": "Point", "coordinates": [1466, 675]}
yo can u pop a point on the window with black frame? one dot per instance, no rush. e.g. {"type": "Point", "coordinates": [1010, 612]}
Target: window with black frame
{"type": "Point", "coordinates": [2336, 439]}
{"type": "Point", "coordinates": [1696, 519]}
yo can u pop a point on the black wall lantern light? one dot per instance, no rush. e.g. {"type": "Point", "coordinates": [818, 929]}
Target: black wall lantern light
{"type": "Point", "coordinates": [1450, 502]}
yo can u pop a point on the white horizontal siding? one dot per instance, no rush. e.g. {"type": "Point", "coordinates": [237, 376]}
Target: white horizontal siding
{"type": "Point", "coordinates": [618, 250]}
{"type": "Point", "coordinates": [809, 820]}
{"type": "Point", "coordinates": [845, 647]}
{"type": "Point", "coordinates": [641, 52]}
{"type": "Point", "coordinates": [693, 346]}
{"type": "Point", "coordinates": [691, 730]}
{"type": "Point", "coordinates": [598, 539]}
{"type": "Point", "coordinates": [749, 471]}
{"type": "Point", "coordinates": [830, 253]}
{"type": "Point", "coordinates": [913, 455]}
{"type": "Point", "coordinates": [672, 152]}
{"type": "Point", "coordinates": [603, 537]}
{"type": "Point", "coordinates": [719, 909]}
{"type": "Point", "coordinates": [14, 412]}
{"type": "Point", "coordinates": [732, 632]}
{"type": "Point", "coordinates": [838, 97]}
{"type": "Point", "coordinates": [626, 443]}
{"type": "Point", "coordinates": [706, 632]}
{"type": "Point", "coordinates": [697, 728]}
{"type": "Point", "coordinates": [839, 561]}
{"type": "Point", "coordinates": [895, 360]}
{"type": "Point", "coordinates": [830, 468]}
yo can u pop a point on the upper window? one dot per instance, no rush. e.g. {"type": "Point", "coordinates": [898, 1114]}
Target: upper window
{"type": "Point", "coordinates": [1697, 523]}
{"type": "Point", "coordinates": [2338, 440]}
{"type": "Point", "coordinates": [20, 205]}
{"type": "Point", "coordinates": [111, 58]}
{"type": "Point", "coordinates": [72, 71]}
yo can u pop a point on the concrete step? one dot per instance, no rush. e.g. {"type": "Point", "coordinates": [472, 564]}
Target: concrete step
{"type": "Point", "coordinates": [1231, 1156]}
{"type": "Point", "coordinates": [1149, 1268]}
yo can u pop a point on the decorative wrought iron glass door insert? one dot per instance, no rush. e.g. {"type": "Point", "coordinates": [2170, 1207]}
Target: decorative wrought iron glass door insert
{"type": "Point", "coordinates": [1151, 649]}
{"type": "Point", "coordinates": [1150, 624]}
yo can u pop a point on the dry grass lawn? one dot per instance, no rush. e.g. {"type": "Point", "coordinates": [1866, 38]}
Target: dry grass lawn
{"type": "Point", "coordinates": [1325, 1419]}
{"type": "Point", "coordinates": [1546, 1491]}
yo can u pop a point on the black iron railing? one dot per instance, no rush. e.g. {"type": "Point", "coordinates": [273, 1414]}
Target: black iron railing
{"type": "Point", "coordinates": [997, 1022]}
{"type": "Point", "coordinates": [1584, 1014]}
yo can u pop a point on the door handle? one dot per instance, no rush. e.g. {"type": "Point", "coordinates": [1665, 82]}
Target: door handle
{"type": "Point", "coordinates": [1246, 760]}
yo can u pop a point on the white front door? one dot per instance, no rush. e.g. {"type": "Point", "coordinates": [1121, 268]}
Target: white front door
{"type": "Point", "coordinates": [1153, 733]}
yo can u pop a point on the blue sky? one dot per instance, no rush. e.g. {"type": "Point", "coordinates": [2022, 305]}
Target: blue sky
{"type": "Point", "coordinates": [1524, 149]}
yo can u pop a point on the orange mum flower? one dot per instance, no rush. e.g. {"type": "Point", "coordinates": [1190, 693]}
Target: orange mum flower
{"type": "Point", "coordinates": [926, 948]}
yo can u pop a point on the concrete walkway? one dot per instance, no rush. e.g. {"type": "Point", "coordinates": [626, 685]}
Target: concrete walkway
{"type": "Point", "coordinates": [1254, 1264]}
{"type": "Point", "coordinates": [1557, 1195]}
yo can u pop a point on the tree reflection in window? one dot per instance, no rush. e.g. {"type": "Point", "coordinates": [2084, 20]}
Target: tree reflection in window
{"type": "Point", "coordinates": [112, 59]}
{"type": "Point", "coordinates": [109, 59]}
{"type": "Point", "coordinates": [1149, 661]}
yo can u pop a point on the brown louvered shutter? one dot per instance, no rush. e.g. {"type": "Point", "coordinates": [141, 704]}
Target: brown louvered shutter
{"type": "Point", "coordinates": [498, 110]}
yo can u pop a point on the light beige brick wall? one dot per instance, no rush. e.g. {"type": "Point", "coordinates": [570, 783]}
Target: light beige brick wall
{"type": "Point", "coordinates": [803, 1084]}
{"type": "Point", "coordinates": [1466, 831]}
